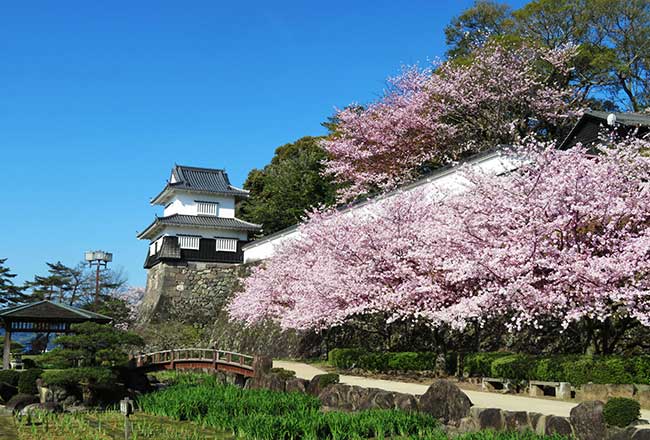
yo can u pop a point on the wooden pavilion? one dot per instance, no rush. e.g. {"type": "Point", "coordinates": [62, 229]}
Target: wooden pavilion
{"type": "Point", "coordinates": [42, 317]}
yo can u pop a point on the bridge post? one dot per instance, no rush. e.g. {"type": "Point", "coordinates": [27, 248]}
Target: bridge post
{"type": "Point", "coordinates": [214, 359]}
{"type": "Point", "coordinates": [171, 363]}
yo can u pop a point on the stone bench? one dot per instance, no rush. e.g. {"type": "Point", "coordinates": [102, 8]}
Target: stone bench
{"type": "Point", "coordinates": [496, 384]}
{"type": "Point", "coordinates": [561, 390]}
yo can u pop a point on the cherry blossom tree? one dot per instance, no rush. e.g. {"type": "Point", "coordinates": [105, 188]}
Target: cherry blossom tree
{"type": "Point", "coordinates": [436, 115]}
{"type": "Point", "coordinates": [566, 236]}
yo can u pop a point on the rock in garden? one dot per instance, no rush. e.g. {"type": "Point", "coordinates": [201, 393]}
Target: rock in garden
{"type": "Point", "coordinates": [445, 401]}
{"type": "Point", "coordinates": [549, 425]}
{"type": "Point", "coordinates": [588, 421]}
{"type": "Point", "coordinates": [20, 401]}
{"type": "Point", "coordinates": [406, 402]}
{"type": "Point", "coordinates": [383, 400]}
{"type": "Point", "coordinates": [488, 418]}
{"type": "Point", "coordinates": [33, 408]}
{"type": "Point", "coordinates": [640, 434]}
{"type": "Point", "coordinates": [296, 385]}
{"type": "Point", "coordinates": [334, 397]}
{"type": "Point", "coordinates": [516, 421]}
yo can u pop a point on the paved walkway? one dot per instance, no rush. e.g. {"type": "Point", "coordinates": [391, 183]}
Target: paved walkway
{"type": "Point", "coordinates": [481, 399]}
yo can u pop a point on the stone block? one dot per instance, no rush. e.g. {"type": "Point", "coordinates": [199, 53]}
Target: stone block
{"type": "Point", "coordinates": [640, 434]}
{"type": "Point", "coordinates": [549, 425]}
{"type": "Point", "coordinates": [563, 392]}
{"type": "Point", "coordinates": [588, 421]}
{"type": "Point", "coordinates": [620, 390]}
{"type": "Point", "coordinates": [516, 421]}
{"type": "Point", "coordinates": [535, 391]}
{"type": "Point", "coordinates": [592, 391]}
{"type": "Point", "coordinates": [488, 418]}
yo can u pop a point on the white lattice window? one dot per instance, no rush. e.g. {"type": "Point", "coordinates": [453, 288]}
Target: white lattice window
{"type": "Point", "coordinates": [226, 244]}
{"type": "Point", "coordinates": [206, 208]}
{"type": "Point", "coordinates": [189, 241]}
{"type": "Point", "coordinates": [158, 244]}
{"type": "Point", "coordinates": [152, 249]}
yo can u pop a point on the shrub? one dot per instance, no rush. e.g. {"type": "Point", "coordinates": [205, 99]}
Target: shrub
{"type": "Point", "coordinates": [9, 377]}
{"type": "Point", "coordinates": [345, 358]}
{"type": "Point", "coordinates": [27, 381]}
{"type": "Point", "coordinates": [515, 367]}
{"type": "Point", "coordinates": [480, 364]}
{"type": "Point", "coordinates": [284, 374]}
{"type": "Point", "coordinates": [327, 379]}
{"type": "Point", "coordinates": [28, 364]}
{"type": "Point", "coordinates": [74, 376]}
{"type": "Point", "coordinates": [411, 361]}
{"type": "Point", "coordinates": [621, 411]}
{"type": "Point", "coordinates": [642, 369]}
{"type": "Point", "coordinates": [375, 361]}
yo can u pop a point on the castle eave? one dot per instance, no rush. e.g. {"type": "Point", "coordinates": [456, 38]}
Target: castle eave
{"type": "Point", "coordinates": [197, 221]}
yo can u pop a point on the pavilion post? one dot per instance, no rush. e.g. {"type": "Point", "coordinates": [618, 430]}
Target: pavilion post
{"type": "Point", "coordinates": [6, 353]}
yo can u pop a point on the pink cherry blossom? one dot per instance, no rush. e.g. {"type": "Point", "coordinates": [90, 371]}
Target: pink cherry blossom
{"type": "Point", "coordinates": [566, 236]}
{"type": "Point", "coordinates": [440, 114]}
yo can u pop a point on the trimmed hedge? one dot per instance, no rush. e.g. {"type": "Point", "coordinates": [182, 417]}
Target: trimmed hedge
{"type": "Point", "coordinates": [346, 358]}
{"type": "Point", "coordinates": [620, 411]}
{"type": "Point", "coordinates": [576, 369]}
{"type": "Point", "coordinates": [9, 377]}
{"type": "Point", "coordinates": [27, 381]}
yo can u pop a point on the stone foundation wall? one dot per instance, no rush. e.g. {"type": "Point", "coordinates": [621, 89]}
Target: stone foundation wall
{"type": "Point", "coordinates": [186, 304]}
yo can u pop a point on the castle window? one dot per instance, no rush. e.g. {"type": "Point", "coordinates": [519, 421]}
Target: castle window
{"type": "Point", "coordinates": [226, 244]}
{"type": "Point", "coordinates": [152, 249]}
{"type": "Point", "coordinates": [206, 208]}
{"type": "Point", "coordinates": [189, 241]}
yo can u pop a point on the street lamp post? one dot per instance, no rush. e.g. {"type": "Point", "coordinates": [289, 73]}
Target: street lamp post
{"type": "Point", "coordinates": [99, 259]}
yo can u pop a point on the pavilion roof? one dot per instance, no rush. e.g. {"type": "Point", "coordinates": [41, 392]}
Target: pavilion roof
{"type": "Point", "coordinates": [51, 311]}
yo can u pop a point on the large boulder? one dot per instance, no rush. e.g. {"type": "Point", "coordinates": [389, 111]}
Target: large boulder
{"type": "Point", "coordinates": [445, 401]}
{"type": "Point", "coordinates": [20, 401]}
{"type": "Point", "coordinates": [588, 420]}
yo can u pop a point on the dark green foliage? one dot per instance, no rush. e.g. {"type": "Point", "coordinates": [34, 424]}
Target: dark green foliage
{"type": "Point", "coordinates": [480, 364]}
{"type": "Point", "coordinates": [10, 377]}
{"type": "Point", "coordinates": [620, 411]}
{"type": "Point", "coordinates": [612, 66]}
{"type": "Point", "coordinates": [325, 380]}
{"type": "Point", "coordinates": [284, 374]}
{"type": "Point", "coordinates": [264, 414]}
{"type": "Point", "coordinates": [27, 381]}
{"type": "Point", "coordinates": [92, 345]}
{"type": "Point", "coordinates": [514, 367]}
{"type": "Point", "coordinates": [9, 293]}
{"type": "Point", "coordinates": [577, 370]}
{"type": "Point", "coordinates": [346, 358]}
{"type": "Point", "coordinates": [29, 363]}
{"type": "Point", "coordinates": [74, 376]}
{"type": "Point", "coordinates": [286, 188]}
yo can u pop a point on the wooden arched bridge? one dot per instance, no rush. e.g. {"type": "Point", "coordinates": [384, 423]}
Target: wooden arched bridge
{"type": "Point", "coordinates": [195, 359]}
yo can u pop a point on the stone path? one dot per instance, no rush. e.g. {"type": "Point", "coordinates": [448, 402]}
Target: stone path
{"type": "Point", "coordinates": [7, 425]}
{"type": "Point", "coordinates": [481, 399]}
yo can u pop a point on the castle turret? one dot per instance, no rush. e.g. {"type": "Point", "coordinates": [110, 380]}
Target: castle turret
{"type": "Point", "coordinates": [198, 222]}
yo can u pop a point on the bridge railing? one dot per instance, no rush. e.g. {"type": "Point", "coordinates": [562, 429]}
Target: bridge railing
{"type": "Point", "coordinates": [195, 355]}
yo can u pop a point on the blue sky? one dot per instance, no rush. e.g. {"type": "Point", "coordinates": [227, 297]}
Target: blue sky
{"type": "Point", "coordinates": [99, 99]}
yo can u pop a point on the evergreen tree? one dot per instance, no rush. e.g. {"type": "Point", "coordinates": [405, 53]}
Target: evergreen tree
{"type": "Point", "coordinates": [9, 293]}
